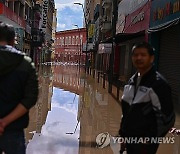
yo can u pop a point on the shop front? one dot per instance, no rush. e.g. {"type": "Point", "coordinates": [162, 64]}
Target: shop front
{"type": "Point", "coordinates": [19, 38]}
{"type": "Point", "coordinates": [131, 28]}
{"type": "Point", "coordinates": [104, 51]}
{"type": "Point", "coordinates": [165, 37]}
{"type": "Point", "coordinates": [102, 61]}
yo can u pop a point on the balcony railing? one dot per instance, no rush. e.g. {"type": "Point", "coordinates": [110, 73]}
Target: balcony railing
{"type": "Point", "coordinates": [8, 13]}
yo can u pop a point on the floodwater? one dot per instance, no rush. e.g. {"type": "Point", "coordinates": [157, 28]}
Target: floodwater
{"type": "Point", "coordinates": [72, 110]}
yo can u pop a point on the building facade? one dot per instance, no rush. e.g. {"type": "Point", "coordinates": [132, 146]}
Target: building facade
{"type": "Point", "coordinates": [89, 6]}
{"type": "Point", "coordinates": [31, 26]}
{"type": "Point", "coordinates": [54, 34]}
{"type": "Point", "coordinates": [13, 12]}
{"type": "Point", "coordinates": [68, 46]}
{"type": "Point", "coordinates": [119, 24]}
{"type": "Point", "coordinates": [134, 30]}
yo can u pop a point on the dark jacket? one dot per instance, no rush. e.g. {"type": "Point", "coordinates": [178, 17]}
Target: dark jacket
{"type": "Point", "coordinates": [139, 106]}
{"type": "Point", "coordinates": [18, 84]}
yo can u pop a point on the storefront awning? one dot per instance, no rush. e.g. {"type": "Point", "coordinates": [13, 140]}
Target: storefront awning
{"type": "Point", "coordinates": [122, 37]}
{"type": "Point", "coordinates": [164, 26]}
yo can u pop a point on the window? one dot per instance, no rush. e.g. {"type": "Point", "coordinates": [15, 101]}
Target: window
{"type": "Point", "coordinates": [73, 40]}
{"type": "Point", "coordinates": [77, 40]}
{"type": "Point", "coordinates": [81, 39]}
{"type": "Point", "coordinates": [69, 40]}
{"type": "Point", "coordinates": [66, 41]}
{"type": "Point", "coordinates": [60, 41]}
{"type": "Point", "coordinates": [63, 41]}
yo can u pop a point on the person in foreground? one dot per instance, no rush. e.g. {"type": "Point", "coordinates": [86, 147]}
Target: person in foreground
{"type": "Point", "coordinates": [18, 92]}
{"type": "Point", "coordinates": [147, 106]}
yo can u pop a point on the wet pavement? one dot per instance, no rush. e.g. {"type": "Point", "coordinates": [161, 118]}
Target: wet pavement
{"type": "Point", "coordinates": [71, 111]}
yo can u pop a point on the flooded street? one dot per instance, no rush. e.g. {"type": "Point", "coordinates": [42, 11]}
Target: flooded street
{"type": "Point", "coordinates": [89, 54]}
{"type": "Point", "coordinates": [72, 109]}
{"type": "Point", "coordinates": [53, 117]}
{"type": "Point", "coordinates": [60, 120]}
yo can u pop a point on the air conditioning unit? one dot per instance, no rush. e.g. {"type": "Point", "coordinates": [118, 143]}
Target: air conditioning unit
{"type": "Point", "coordinates": [26, 17]}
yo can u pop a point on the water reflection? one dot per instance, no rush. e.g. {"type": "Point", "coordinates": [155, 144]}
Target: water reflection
{"type": "Point", "coordinates": [39, 112]}
{"type": "Point", "coordinates": [101, 113]}
{"type": "Point", "coordinates": [61, 119]}
{"type": "Point", "coordinates": [67, 98]}
{"type": "Point", "coordinates": [69, 78]}
{"type": "Point", "coordinates": [47, 131]}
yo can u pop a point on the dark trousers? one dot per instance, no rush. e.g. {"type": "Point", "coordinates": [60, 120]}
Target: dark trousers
{"type": "Point", "coordinates": [12, 142]}
{"type": "Point", "coordinates": [142, 148]}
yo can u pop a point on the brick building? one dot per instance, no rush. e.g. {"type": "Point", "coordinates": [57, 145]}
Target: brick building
{"type": "Point", "coordinates": [68, 46]}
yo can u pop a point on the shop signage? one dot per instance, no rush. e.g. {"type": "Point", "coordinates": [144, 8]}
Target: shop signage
{"type": "Point", "coordinates": [44, 15]}
{"type": "Point", "coordinates": [164, 11]}
{"type": "Point", "coordinates": [133, 16]}
{"type": "Point", "coordinates": [91, 30]}
{"type": "Point", "coordinates": [105, 48]}
{"type": "Point", "coordinates": [137, 18]}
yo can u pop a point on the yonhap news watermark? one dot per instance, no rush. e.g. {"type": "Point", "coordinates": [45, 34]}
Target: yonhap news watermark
{"type": "Point", "coordinates": [144, 140]}
{"type": "Point", "coordinates": [105, 139]}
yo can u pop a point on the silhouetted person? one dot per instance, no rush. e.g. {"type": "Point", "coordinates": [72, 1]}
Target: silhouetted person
{"type": "Point", "coordinates": [18, 92]}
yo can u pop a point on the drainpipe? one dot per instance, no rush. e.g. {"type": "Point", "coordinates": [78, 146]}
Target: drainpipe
{"type": "Point", "coordinates": [111, 61]}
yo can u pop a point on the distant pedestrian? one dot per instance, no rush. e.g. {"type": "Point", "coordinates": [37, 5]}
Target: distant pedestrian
{"type": "Point", "coordinates": [146, 103]}
{"type": "Point", "coordinates": [18, 92]}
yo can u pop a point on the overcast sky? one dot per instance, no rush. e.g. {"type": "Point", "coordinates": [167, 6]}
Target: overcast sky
{"type": "Point", "coordinates": [68, 14]}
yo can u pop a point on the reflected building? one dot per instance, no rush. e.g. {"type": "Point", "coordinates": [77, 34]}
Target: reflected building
{"type": "Point", "coordinates": [68, 78]}
{"type": "Point", "coordinates": [38, 113]}
{"type": "Point", "coordinates": [98, 113]}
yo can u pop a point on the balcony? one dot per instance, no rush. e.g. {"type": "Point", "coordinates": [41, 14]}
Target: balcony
{"type": "Point", "coordinates": [8, 16]}
{"type": "Point", "coordinates": [106, 3]}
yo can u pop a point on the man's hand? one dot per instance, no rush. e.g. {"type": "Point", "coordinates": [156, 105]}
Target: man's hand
{"type": "Point", "coordinates": [18, 112]}
{"type": "Point", "coordinates": [2, 126]}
